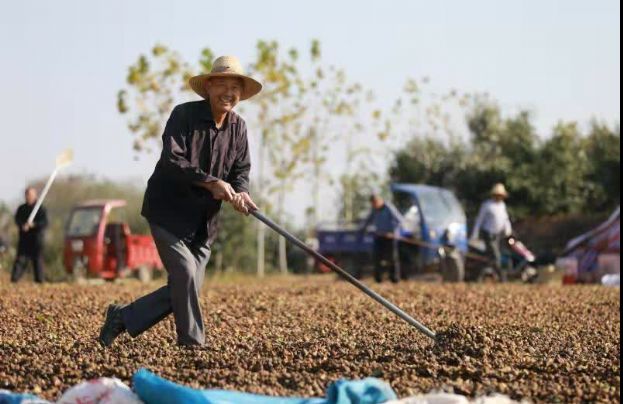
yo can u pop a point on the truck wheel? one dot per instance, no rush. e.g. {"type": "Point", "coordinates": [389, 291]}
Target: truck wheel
{"type": "Point", "coordinates": [79, 272]}
{"type": "Point", "coordinates": [124, 273]}
{"type": "Point", "coordinates": [488, 275]}
{"type": "Point", "coordinates": [144, 273]}
{"type": "Point", "coordinates": [452, 267]}
{"type": "Point", "coordinates": [529, 274]}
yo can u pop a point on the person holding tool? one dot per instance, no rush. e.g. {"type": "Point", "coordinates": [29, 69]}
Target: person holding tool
{"type": "Point", "coordinates": [205, 160]}
{"type": "Point", "coordinates": [386, 220]}
{"type": "Point", "coordinates": [31, 232]}
{"type": "Point", "coordinates": [492, 225]}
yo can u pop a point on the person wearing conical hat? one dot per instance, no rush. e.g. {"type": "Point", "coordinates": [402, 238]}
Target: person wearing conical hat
{"type": "Point", "coordinates": [493, 225]}
{"type": "Point", "coordinates": [205, 160]}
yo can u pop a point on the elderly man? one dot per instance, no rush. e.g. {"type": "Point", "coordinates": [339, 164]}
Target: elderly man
{"type": "Point", "coordinates": [492, 225]}
{"type": "Point", "coordinates": [30, 245]}
{"type": "Point", "coordinates": [205, 160]}
{"type": "Point", "coordinates": [385, 219]}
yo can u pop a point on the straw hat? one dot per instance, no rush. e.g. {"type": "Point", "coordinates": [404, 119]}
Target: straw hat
{"type": "Point", "coordinates": [499, 189]}
{"type": "Point", "coordinates": [226, 66]}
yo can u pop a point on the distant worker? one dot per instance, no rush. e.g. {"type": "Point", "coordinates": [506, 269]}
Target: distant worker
{"type": "Point", "coordinates": [30, 245]}
{"type": "Point", "coordinates": [492, 225]}
{"type": "Point", "coordinates": [385, 219]}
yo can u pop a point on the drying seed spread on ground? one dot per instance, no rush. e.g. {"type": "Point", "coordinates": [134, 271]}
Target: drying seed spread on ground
{"type": "Point", "coordinates": [294, 336]}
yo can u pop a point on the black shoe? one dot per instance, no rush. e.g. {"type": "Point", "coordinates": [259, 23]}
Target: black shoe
{"type": "Point", "coordinates": [113, 325]}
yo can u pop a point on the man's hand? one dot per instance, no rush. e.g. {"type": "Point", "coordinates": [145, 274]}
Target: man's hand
{"type": "Point", "coordinates": [220, 190]}
{"type": "Point", "coordinates": [26, 227]}
{"type": "Point", "coordinates": [243, 203]}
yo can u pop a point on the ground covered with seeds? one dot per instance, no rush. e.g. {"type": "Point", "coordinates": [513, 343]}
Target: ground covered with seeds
{"type": "Point", "coordinates": [294, 336]}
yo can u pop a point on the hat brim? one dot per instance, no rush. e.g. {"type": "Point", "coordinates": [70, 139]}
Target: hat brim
{"type": "Point", "coordinates": [251, 86]}
{"type": "Point", "coordinates": [502, 194]}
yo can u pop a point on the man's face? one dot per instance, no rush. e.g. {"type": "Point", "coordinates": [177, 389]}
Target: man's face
{"type": "Point", "coordinates": [377, 202]}
{"type": "Point", "coordinates": [224, 93]}
{"type": "Point", "coordinates": [31, 196]}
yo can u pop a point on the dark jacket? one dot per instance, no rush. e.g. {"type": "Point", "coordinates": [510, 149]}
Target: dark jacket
{"type": "Point", "coordinates": [194, 150]}
{"type": "Point", "coordinates": [385, 220]}
{"type": "Point", "coordinates": [30, 242]}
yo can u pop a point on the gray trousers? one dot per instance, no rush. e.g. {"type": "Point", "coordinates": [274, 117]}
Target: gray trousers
{"type": "Point", "coordinates": [186, 270]}
{"type": "Point", "coordinates": [494, 252]}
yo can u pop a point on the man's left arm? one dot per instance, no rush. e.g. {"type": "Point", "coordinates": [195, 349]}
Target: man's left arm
{"type": "Point", "coordinates": [398, 218]}
{"type": "Point", "coordinates": [508, 227]}
{"type": "Point", "coordinates": [239, 174]}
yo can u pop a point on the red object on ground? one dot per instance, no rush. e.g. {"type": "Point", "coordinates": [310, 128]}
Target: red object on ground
{"type": "Point", "coordinates": [106, 249]}
{"type": "Point", "coordinates": [588, 247]}
{"type": "Point", "coordinates": [569, 280]}
{"type": "Point", "coordinates": [322, 268]}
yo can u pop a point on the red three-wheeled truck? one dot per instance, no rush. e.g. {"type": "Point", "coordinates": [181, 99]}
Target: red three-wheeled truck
{"type": "Point", "coordinates": [100, 246]}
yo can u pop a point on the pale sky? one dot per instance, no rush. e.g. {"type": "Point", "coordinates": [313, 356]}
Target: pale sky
{"type": "Point", "coordinates": [63, 62]}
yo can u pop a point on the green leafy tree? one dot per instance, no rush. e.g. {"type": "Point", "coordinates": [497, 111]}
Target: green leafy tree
{"type": "Point", "coordinates": [7, 234]}
{"type": "Point", "coordinates": [562, 171]}
{"type": "Point", "coordinates": [291, 116]}
{"type": "Point", "coordinates": [603, 148]}
{"type": "Point", "coordinates": [284, 146]}
{"type": "Point", "coordinates": [502, 150]}
{"type": "Point", "coordinates": [566, 173]}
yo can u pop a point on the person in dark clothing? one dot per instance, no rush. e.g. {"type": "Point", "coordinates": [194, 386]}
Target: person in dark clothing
{"type": "Point", "coordinates": [205, 160]}
{"type": "Point", "coordinates": [385, 219]}
{"type": "Point", "coordinates": [30, 245]}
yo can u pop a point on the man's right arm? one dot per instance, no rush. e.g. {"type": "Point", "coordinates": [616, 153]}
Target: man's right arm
{"type": "Point", "coordinates": [21, 220]}
{"type": "Point", "coordinates": [174, 151]}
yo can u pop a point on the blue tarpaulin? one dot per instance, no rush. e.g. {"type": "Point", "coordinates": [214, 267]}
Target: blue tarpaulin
{"type": "Point", "coordinates": [153, 389]}
{"type": "Point", "coordinates": [6, 397]}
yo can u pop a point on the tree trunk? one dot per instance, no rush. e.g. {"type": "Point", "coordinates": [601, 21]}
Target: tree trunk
{"type": "Point", "coordinates": [218, 261]}
{"type": "Point", "coordinates": [348, 192]}
{"type": "Point", "coordinates": [283, 258]}
{"type": "Point", "coordinates": [261, 231]}
{"type": "Point", "coordinates": [316, 182]}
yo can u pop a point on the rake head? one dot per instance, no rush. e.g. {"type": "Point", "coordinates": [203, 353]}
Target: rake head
{"type": "Point", "coordinates": [65, 158]}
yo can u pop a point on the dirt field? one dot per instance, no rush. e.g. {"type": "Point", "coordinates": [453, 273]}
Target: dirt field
{"type": "Point", "coordinates": [294, 336]}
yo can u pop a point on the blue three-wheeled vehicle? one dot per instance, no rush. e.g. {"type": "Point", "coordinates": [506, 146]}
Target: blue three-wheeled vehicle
{"type": "Point", "coordinates": [431, 239]}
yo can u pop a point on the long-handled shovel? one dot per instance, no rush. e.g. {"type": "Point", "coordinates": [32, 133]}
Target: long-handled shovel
{"type": "Point", "coordinates": [380, 299]}
{"type": "Point", "coordinates": [63, 160]}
